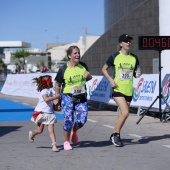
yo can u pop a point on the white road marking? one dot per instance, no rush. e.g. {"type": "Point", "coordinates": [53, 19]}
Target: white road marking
{"type": "Point", "coordinates": [138, 136]}
{"type": "Point", "coordinates": [91, 120]}
{"type": "Point", "coordinates": [26, 104]}
{"type": "Point", "coordinates": [111, 127]}
{"type": "Point", "coordinates": [15, 101]}
{"type": "Point", "coordinates": [168, 146]}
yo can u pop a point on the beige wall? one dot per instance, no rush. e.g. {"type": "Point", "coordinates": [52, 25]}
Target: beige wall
{"type": "Point", "coordinates": [58, 53]}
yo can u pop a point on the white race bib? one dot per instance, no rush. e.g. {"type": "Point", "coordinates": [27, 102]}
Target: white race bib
{"type": "Point", "coordinates": [75, 90]}
{"type": "Point", "coordinates": [125, 74]}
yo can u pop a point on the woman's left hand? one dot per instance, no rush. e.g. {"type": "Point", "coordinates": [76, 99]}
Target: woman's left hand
{"type": "Point", "coordinates": [87, 75]}
{"type": "Point", "coordinates": [57, 105]}
{"type": "Point", "coordinates": [138, 73]}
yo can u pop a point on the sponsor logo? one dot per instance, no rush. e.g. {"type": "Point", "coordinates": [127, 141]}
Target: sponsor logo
{"type": "Point", "coordinates": [93, 87]}
{"type": "Point", "coordinates": [136, 91]}
{"type": "Point", "coordinates": [165, 88]}
{"type": "Point", "coordinates": [144, 90]}
{"type": "Point", "coordinates": [98, 88]}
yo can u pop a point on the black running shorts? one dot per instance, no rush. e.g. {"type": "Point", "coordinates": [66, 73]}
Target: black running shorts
{"type": "Point", "coordinates": [118, 94]}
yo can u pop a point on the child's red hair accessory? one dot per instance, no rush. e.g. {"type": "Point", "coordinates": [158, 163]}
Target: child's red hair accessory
{"type": "Point", "coordinates": [46, 81]}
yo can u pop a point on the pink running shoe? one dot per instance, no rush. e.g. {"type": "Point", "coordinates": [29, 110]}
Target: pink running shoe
{"type": "Point", "coordinates": [67, 146]}
{"type": "Point", "coordinates": [74, 138]}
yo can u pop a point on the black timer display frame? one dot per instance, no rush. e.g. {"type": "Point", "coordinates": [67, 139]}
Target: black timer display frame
{"type": "Point", "coordinates": [158, 43]}
{"type": "Point", "coordinates": [154, 43]}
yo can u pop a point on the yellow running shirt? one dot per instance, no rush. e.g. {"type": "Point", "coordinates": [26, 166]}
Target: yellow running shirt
{"type": "Point", "coordinates": [123, 71]}
{"type": "Point", "coordinates": [73, 80]}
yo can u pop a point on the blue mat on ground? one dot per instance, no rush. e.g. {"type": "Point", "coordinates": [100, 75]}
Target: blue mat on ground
{"type": "Point", "coordinates": [14, 111]}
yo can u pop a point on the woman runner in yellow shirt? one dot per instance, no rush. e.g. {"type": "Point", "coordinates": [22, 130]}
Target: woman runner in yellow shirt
{"type": "Point", "coordinates": [125, 66]}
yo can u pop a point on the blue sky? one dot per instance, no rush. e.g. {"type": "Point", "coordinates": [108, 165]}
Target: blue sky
{"type": "Point", "coordinates": [50, 21]}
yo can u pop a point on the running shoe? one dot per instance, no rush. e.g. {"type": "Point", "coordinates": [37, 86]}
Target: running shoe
{"type": "Point", "coordinates": [54, 148]}
{"type": "Point", "coordinates": [67, 146]}
{"type": "Point", "coordinates": [116, 140]}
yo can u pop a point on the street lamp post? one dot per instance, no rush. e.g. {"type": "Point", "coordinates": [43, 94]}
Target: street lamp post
{"type": "Point", "coordinates": [49, 60]}
{"type": "Point", "coordinates": [23, 63]}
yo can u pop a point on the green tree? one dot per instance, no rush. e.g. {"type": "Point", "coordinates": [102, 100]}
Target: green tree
{"type": "Point", "coordinates": [3, 66]}
{"type": "Point", "coordinates": [42, 63]}
{"type": "Point", "coordinates": [20, 56]}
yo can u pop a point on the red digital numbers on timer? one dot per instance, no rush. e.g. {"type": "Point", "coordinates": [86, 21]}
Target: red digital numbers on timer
{"type": "Point", "coordinates": [154, 42]}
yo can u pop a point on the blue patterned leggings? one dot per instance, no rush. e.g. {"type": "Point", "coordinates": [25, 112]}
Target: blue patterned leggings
{"type": "Point", "coordinates": [68, 110]}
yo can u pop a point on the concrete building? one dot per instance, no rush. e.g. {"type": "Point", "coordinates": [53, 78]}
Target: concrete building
{"type": "Point", "coordinates": [136, 18]}
{"type": "Point", "coordinates": [11, 44]}
{"type": "Point", "coordinates": [58, 51]}
{"type": "Point", "coordinates": [36, 56]}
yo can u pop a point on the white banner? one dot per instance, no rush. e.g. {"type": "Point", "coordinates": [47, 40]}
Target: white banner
{"type": "Point", "coordinates": [146, 88]}
{"type": "Point", "coordinates": [98, 89]}
{"type": "Point", "coordinates": [22, 84]}
{"type": "Point", "coordinates": [166, 91]}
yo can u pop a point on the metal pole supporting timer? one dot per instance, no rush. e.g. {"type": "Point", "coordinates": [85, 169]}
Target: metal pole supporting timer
{"type": "Point", "coordinates": [158, 97]}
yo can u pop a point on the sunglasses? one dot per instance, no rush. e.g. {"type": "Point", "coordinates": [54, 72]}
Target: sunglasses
{"type": "Point", "coordinates": [127, 40]}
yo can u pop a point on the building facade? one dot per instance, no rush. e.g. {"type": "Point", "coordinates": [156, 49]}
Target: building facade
{"type": "Point", "coordinates": [58, 51]}
{"type": "Point", "coordinates": [136, 18]}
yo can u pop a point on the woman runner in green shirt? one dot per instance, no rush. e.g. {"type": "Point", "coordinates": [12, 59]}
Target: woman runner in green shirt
{"type": "Point", "coordinates": [71, 85]}
{"type": "Point", "coordinates": [125, 66]}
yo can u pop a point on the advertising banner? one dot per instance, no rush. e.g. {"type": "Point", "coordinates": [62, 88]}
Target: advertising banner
{"type": "Point", "coordinates": [146, 88]}
{"type": "Point", "coordinates": [166, 92]}
{"type": "Point", "coordinates": [98, 89]}
{"type": "Point", "coordinates": [22, 84]}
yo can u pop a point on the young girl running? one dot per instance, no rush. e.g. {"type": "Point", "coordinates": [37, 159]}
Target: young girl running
{"type": "Point", "coordinates": [44, 113]}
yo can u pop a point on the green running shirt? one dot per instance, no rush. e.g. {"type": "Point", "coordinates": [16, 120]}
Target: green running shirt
{"type": "Point", "coordinates": [123, 71]}
{"type": "Point", "coordinates": [71, 77]}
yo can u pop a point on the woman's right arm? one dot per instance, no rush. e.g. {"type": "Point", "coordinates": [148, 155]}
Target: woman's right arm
{"type": "Point", "coordinates": [57, 94]}
{"type": "Point", "coordinates": [105, 73]}
{"type": "Point", "coordinates": [57, 89]}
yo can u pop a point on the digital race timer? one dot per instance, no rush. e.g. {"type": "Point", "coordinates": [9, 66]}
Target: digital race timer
{"type": "Point", "coordinates": [154, 42]}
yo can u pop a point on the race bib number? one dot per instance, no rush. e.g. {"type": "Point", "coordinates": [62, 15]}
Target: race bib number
{"type": "Point", "coordinates": [125, 74]}
{"type": "Point", "coordinates": [75, 90]}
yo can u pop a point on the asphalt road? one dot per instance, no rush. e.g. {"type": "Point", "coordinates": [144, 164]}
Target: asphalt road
{"type": "Point", "coordinates": [146, 145]}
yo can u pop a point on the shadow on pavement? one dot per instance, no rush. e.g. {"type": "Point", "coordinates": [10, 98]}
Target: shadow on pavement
{"type": "Point", "coordinates": [83, 144]}
{"type": "Point", "coordinates": [8, 129]}
{"type": "Point", "coordinates": [145, 140]}
{"type": "Point", "coordinates": [153, 138]}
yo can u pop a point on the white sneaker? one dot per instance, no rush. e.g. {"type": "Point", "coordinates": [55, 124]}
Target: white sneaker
{"type": "Point", "coordinates": [30, 136]}
{"type": "Point", "coordinates": [54, 148]}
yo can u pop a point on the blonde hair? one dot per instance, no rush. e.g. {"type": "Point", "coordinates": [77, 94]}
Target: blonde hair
{"type": "Point", "coordinates": [119, 47]}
